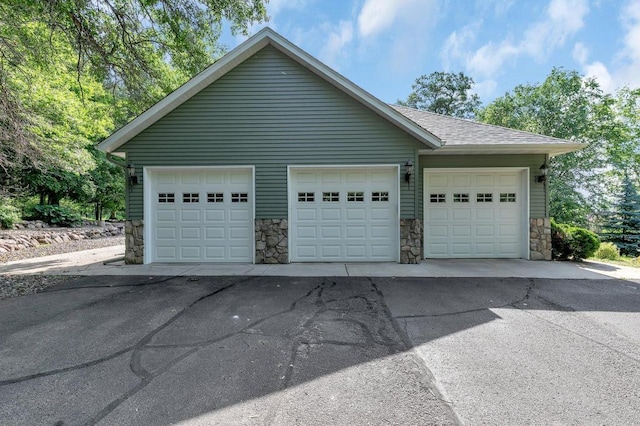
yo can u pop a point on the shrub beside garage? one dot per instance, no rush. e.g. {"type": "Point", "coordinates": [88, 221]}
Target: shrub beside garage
{"type": "Point", "coordinates": [572, 242]}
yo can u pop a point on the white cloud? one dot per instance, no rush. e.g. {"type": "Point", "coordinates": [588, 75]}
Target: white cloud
{"type": "Point", "coordinates": [379, 15]}
{"type": "Point", "coordinates": [563, 19]}
{"type": "Point", "coordinates": [580, 53]}
{"type": "Point", "coordinates": [339, 37]}
{"type": "Point", "coordinates": [599, 72]}
{"type": "Point", "coordinates": [625, 69]}
{"type": "Point", "coordinates": [485, 89]}
{"type": "Point", "coordinates": [457, 44]}
{"type": "Point", "coordinates": [490, 58]}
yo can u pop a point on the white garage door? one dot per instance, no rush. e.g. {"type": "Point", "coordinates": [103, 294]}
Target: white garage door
{"type": "Point", "coordinates": [200, 215]}
{"type": "Point", "coordinates": [477, 214]}
{"type": "Point", "coordinates": [344, 214]}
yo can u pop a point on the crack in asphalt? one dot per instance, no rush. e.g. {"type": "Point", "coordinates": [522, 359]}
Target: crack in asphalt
{"type": "Point", "coordinates": [513, 304]}
{"type": "Point", "coordinates": [305, 335]}
{"type": "Point", "coordinates": [140, 343]}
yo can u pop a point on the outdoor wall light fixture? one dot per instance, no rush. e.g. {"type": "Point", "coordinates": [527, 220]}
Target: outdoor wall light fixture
{"type": "Point", "coordinates": [408, 171]}
{"type": "Point", "coordinates": [131, 173]}
{"type": "Point", "coordinates": [542, 177]}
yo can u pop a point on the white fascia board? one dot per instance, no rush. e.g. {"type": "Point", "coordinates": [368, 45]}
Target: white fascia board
{"type": "Point", "coordinates": [550, 149]}
{"type": "Point", "coordinates": [240, 54]}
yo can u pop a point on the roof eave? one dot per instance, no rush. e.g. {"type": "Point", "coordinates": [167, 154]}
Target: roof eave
{"type": "Point", "coordinates": [487, 149]}
{"type": "Point", "coordinates": [240, 54]}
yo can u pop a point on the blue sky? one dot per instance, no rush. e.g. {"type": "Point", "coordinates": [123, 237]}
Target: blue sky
{"type": "Point", "coordinates": [383, 45]}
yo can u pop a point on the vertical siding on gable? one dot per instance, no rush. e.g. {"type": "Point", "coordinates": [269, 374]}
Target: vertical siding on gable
{"type": "Point", "coordinates": [537, 200]}
{"type": "Point", "coordinates": [271, 112]}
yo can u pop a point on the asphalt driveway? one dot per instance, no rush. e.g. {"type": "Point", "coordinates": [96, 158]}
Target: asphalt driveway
{"type": "Point", "coordinates": [346, 350]}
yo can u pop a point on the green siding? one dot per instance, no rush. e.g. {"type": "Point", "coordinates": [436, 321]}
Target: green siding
{"type": "Point", "coordinates": [537, 193]}
{"type": "Point", "coordinates": [271, 112]}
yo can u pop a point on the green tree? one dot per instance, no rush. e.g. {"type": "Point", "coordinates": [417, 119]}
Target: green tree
{"type": "Point", "coordinates": [571, 107]}
{"type": "Point", "coordinates": [444, 93]}
{"type": "Point", "coordinates": [108, 180]}
{"type": "Point", "coordinates": [623, 225]}
{"type": "Point", "coordinates": [134, 51]}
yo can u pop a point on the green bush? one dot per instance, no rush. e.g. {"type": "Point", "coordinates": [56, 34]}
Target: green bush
{"type": "Point", "coordinates": [57, 215]}
{"type": "Point", "coordinates": [607, 251]}
{"type": "Point", "coordinates": [571, 242]}
{"type": "Point", "coordinates": [9, 214]}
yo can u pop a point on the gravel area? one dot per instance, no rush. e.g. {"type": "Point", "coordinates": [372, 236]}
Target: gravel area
{"type": "Point", "coordinates": [18, 285]}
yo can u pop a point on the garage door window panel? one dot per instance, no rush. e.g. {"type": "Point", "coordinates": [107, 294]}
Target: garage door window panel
{"type": "Point", "coordinates": [460, 198]}
{"type": "Point", "coordinates": [380, 196]}
{"type": "Point", "coordinates": [354, 196]}
{"type": "Point", "coordinates": [215, 197]}
{"type": "Point", "coordinates": [190, 197]}
{"type": "Point", "coordinates": [166, 198]}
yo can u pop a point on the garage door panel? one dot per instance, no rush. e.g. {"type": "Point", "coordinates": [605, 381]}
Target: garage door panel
{"type": "Point", "coordinates": [485, 180]}
{"type": "Point", "coordinates": [191, 253]}
{"type": "Point", "coordinates": [305, 215]}
{"type": "Point", "coordinates": [167, 179]}
{"type": "Point", "coordinates": [356, 251]}
{"type": "Point", "coordinates": [485, 214]}
{"type": "Point", "coordinates": [356, 231]}
{"type": "Point", "coordinates": [214, 253]}
{"type": "Point", "coordinates": [214, 215]}
{"type": "Point", "coordinates": [461, 214]}
{"type": "Point", "coordinates": [331, 232]}
{"type": "Point", "coordinates": [190, 216]}
{"type": "Point", "coordinates": [166, 215]}
{"type": "Point", "coordinates": [356, 177]}
{"type": "Point", "coordinates": [306, 231]}
{"type": "Point", "coordinates": [190, 233]}
{"type": "Point", "coordinates": [166, 233]}
{"type": "Point", "coordinates": [485, 230]}
{"type": "Point", "coordinates": [381, 214]}
{"type": "Point", "coordinates": [435, 214]}
{"type": "Point", "coordinates": [166, 253]}
{"type": "Point", "coordinates": [435, 230]}
{"type": "Point", "coordinates": [307, 252]}
{"type": "Point", "coordinates": [461, 249]}
{"type": "Point", "coordinates": [356, 214]}
{"type": "Point", "coordinates": [330, 214]}
{"type": "Point", "coordinates": [214, 232]}
{"type": "Point", "coordinates": [460, 181]}
{"type": "Point", "coordinates": [331, 251]}
{"type": "Point", "coordinates": [461, 230]}
{"type": "Point", "coordinates": [352, 210]}
{"type": "Point", "coordinates": [237, 215]}
{"type": "Point", "coordinates": [190, 179]}
{"type": "Point", "coordinates": [485, 249]}
{"type": "Point", "coordinates": [489, 223]}
{"type": "Point", "coordinates": [382, 231]}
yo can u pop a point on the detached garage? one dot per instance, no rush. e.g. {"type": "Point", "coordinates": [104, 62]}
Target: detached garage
{"type": "Point", "coordinates": [270, 156]}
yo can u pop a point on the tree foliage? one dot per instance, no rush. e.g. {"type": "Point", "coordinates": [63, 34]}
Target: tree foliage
{"type": "Point", "coordinates": [444, 93]}
{"type": "Point", "coordinates": [71, 71]}
{"type": "Point", "coordinates": [623, 225]}
{"type": "Point", "coordinates": [568, 106]}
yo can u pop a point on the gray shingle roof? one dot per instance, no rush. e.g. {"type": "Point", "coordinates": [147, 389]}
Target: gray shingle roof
{"type": "Point", "coordinates": [460, 132]}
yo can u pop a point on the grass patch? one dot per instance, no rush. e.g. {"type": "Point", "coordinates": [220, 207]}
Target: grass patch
{"type": "Point", "coordinates": [633, 262]}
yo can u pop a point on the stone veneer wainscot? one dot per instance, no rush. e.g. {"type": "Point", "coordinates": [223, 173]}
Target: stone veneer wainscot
{"type": "Point", "coordinates": [540, 239]}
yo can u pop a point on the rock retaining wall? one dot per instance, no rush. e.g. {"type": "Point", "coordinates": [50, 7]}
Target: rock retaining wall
{"type": "Point", "coordinates": [134, 242]}
{"type": "Point", "coordinates": [15, 240]}
{"type": "Point", "coordinates": [540, 239]}
{"type": "Point", "coordinates": [411, 241]}
{"type": "Point", "coordinates": [272, 244]}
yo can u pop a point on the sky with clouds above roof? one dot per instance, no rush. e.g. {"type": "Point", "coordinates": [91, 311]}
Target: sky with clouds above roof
{"type": "Point", "coordinates": [383, 45]}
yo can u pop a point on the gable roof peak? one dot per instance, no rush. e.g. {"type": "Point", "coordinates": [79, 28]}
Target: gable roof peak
{"type": "Point", "coordinates": [266, 36]}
